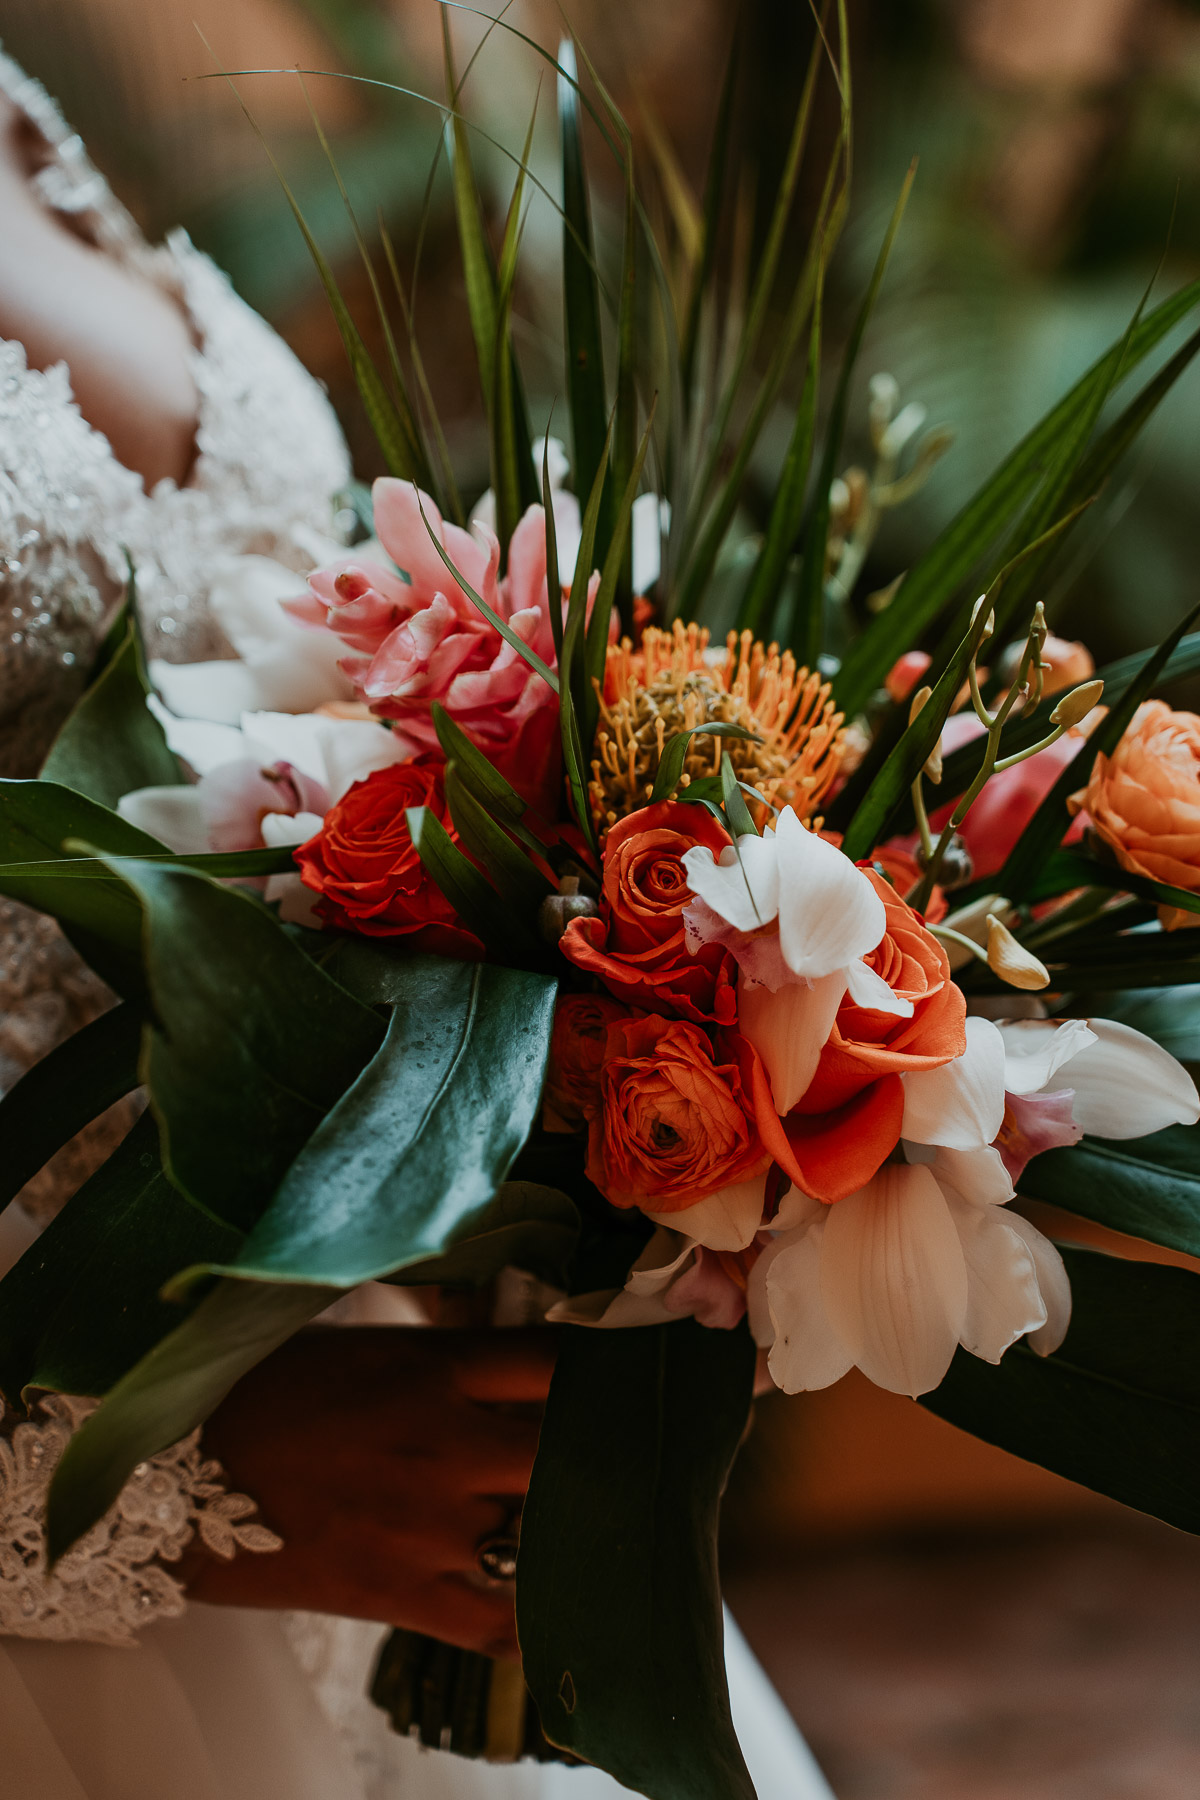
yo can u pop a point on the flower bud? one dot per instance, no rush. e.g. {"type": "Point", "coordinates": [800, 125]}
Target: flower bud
{"type": "Point", "coordinates": [957, 868]}
{"type": "Point", "coordinates": [991, 618]}
{"type": "Point", "coordinates": [557, 910]}
{"type": "Point", "coordinates": [917, 702]}
{"type": "Point", "coordinates": [1076, 705]}
{"type": "Point", "coordinates": [1011, 961]}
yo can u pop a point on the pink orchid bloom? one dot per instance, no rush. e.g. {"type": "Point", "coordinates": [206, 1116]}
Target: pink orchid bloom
{"type": "Point", "coordinates": [424, 639]}
{"type": "Point", "coordinates": [235, 798]}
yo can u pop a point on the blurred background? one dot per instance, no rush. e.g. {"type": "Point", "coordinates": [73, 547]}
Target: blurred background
{"type": "Point", "coordinates": [943, 1620]}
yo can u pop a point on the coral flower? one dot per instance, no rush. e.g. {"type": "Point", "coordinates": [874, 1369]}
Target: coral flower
{"type": "Point", "coordinates": [1144, 801]}
{"type": "Point", "coordinates": [418, 637]}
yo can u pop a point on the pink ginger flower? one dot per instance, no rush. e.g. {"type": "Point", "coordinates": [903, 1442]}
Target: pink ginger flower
{"type": "Point", "coordinates": [423, 639]}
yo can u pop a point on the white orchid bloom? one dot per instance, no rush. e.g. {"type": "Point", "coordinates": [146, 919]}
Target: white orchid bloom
{"type": "Point", "coordinates": [281, 666]}
{"type": "Point", "coordinates": [268, 781]}
{"type": "Point", "coordinates": [673, 1278]}
{"type": "Point", "coordinates": [799, 917]}
{"type": "Point", "coordinates": [1026, 1085]}
{"type": "Point", "coordinates": [894, 1278]}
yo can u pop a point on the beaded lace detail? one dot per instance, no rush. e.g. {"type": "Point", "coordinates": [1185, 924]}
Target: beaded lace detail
{"type": "Point", "coordinates": [113, 1582]}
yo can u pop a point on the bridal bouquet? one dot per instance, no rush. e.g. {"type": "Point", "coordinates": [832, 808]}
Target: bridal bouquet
{"type": "Point", "coordinates": [597, 884]}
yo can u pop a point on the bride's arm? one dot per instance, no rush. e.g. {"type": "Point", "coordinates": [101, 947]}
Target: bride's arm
{"type": "Point", "coordinates": [126, 345]}
{"type": "Point", "coordinates": [381, 1458]}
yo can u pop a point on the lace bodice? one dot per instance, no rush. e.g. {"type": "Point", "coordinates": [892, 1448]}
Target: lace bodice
{"type": "Point", "coordinates": [269, 460]}
{"type": "Point", "coordinates": [113, 1582]}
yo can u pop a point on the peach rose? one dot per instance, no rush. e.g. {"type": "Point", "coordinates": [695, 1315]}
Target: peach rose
{"type": "Point", "coordinates": [637, 945]}
{"type": "Point", "coordinates": [676, 1121]}
{"type": "Point", "coordinates": [1144, 801]}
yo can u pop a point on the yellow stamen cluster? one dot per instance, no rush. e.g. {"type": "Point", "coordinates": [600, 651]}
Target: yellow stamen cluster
{"type": "Point", "coordinates": [674, 682]}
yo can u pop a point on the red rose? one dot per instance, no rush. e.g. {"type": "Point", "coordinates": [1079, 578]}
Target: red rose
{"type": "Point", "coordinates": [581, 1023]}
{"type": "Point", "coordinates": [364, 864]}
{"type": "Point", "coordinates": [637, 946]}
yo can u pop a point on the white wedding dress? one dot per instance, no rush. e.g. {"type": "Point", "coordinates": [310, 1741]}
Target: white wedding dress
{"type": "Point", "coordinates": [204, 1703]}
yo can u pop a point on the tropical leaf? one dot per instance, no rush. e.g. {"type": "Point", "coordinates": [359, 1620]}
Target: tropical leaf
{"type": "Point", "coordinates": [524, 1227]}
{"type": "Point", "coordinates": [1117, 1408]}
{"type": "Point", "coordinates": [37, 818]}
{"type": "Point", "coordinates": [382, 1186]}
{"type": "Point", "coordinates": [237, 1088]}
{"type": "Point", "coordinates": [1147, 1187]}
{"type": "Point", "coordinates": [1067, 869]}
{"type": "Point", "coordinates": [84, 1304]}
{"type": "Point", "coordinates": [1171, 1016]}
{"type": "Point", "coordinates": [469, 892]}
{"type": "Point", "coordinates": [112, 743]}
{"type": "Point", "coordinates": [618, 1596]}
{"type": "Point", "coordinates": [66, 1090]}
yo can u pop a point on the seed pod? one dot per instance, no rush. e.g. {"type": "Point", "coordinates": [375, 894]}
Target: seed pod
{"type": "Point", "coordinates": [557, 910]}
{"type": "Point", "coordinates": [1011, 961]}
{"type": "Point", "coordinates": [957, 867]}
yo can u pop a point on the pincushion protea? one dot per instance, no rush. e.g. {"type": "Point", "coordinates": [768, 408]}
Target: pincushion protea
{"type": "Point", "coordinates": [674, 682]}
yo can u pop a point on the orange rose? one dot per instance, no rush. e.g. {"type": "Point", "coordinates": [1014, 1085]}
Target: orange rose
{"type": "Point", "coordinates": [581, 1023]}
{"type": "Point", "coordinates": [636, 946]}
{"type": "Point", "coordinates": [1144, 801]}
{"type": "Point", "coordinates": [676, 1120]}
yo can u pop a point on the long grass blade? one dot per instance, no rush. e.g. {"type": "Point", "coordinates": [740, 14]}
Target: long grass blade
{"type": "Point", "coordinates": [714, 199]}
{"type": "Point", "coordinates": [805, 628]}
{"type": "Point", "coordinates": [581, 291]}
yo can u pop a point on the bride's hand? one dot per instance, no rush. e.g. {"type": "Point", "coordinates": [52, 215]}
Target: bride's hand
{"type": "Point", "coordinates": [383, 1457]}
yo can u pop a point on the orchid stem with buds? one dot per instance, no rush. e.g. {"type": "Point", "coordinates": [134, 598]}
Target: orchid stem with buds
{"type": "Point", "coordinates": [1027, 687]}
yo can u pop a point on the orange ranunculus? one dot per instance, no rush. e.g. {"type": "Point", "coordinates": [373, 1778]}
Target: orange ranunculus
{"type": "Point", "coordinates": [581, 1023]}
{"type": "Point", "coordinates": [636, 945]}
{"type": "Point", "coordinates": [1144, 801]}
{"type": "Point", "coordinates": [676, 1121]}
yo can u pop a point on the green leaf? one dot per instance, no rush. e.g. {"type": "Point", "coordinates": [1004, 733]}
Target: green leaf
{"type": "Point", "coordinates": [472, 896]}
{"type": "Point", "coordinates": [484, 781]}
{"type": "Point", "coordinates": [1171, 1016]}
{"type": "Point", "coordinates": [618, 1596]}
{"type": "Point", "coordinates": [519, 884]}
{"type": "Point", "coordinates": [787, 508]}
{"type": "Point", "coordinates": [36, 819]}
{"type": "Point", "coordinates": [714, 197]}
{"type": "Point", "coordinates": [65, 1091]}
{"type": "Point", "coordinates": [610, 581]}
{"type": "Point", "coordinates": [808, 613]}
{"type": "Point", "coordinates": [581, 290]}
{"type": "Point", "coordinates": [1067, 869]}
{"type": "Point", "coordinates": [737, 813]}
{"type": "Point", "coordinates": [1117, 1408]}
{"type": "Point", "coordinates": [251, 1042]}
{"type": "Point", "coordinates": [112, 743]}
{"type": "Point", "coordinates": [172, 1390]}
{"type": "Point", "coordinates": [408, 1160]}
{"type": "Point", "coordinates": [937, 576]}
{"type": "Point", "coordinates": [524, 1227]}
{"type": "Point", "coordinates": [1045, 831]}
{"type": "Point", "coordinates": [84, 1304]}
{"type": "Point", "coordinates": [670, 766]}
{"type": "Point", "coordinates": [1149, 1187]}
{"type": "Point", "coordinates": [511, 452]}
